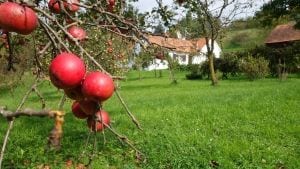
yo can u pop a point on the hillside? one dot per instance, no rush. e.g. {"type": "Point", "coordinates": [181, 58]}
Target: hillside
{"type": "Point", "coordinates": [236, 40]}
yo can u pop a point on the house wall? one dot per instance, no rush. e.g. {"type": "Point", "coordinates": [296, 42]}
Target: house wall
{"type": "Point", "coordinates": [202, 54]}
{"type": "Point", "coordinates": [183, 58]}
{"type": "Point", "coordinates": [217, 49]}
{"type": "Point", "coordinates": [157, 64]}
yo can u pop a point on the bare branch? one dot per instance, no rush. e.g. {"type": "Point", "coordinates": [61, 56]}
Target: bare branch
{"type": "Point", "coordinates": [55, 35]}
{"type": "Point", "coordinates": [124, 139]}
{"type": "Point", "coordinates": [26, 112]}
{"type": "Point", "coordinates": [134, 120]}
{"type": "Point", "coordinates": [11, 123]}
{"type": "Point", "coordinates": [40, 96]}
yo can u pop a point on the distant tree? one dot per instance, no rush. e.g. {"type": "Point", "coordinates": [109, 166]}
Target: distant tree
{"type": "Point", "coordinates": [159, 29]}
{"type": "Point", "coordinates": [212, 19]}
{"type": "Point", "coordinates": [188, 26]}
{"type": "Point", "coordinates": [275, 11]}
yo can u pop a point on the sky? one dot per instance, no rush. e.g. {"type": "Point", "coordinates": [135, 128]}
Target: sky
{"type": "Point", "coordinates": [147, 5]}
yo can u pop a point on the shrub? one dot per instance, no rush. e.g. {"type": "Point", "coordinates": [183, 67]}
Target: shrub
{"type": "Point", "coordinates": [228, 64]}
{"type": "Point", "coordinates": [188, 67]}
{"type": "Point", "coordinates": [254, 68]}
{"type": "Point", "coordinates": [288, 54]}
{"type": "Point", "coordinates": [194, 72]}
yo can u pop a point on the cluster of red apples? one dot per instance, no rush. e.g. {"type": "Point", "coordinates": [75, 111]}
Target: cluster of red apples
{"type": "Point", "coordinates": [23, 20]}
{"type": "Point", "coordinates": [71, 7]}
{"type": "Point", "coordinates": [67, 71]}
{"type": "Point", "coordinates": [89, 90]}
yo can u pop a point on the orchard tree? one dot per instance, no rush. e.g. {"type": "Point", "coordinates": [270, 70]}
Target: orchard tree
{"type": "Point", "coordinates": [81, 47]}
{"type": "Point", "coordinates": [212, 17]}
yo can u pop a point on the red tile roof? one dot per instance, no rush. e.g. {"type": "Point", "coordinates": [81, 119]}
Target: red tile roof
{"type": "Point", "coordinates": [178, 45]}
{"type": "Point", "coordinates": [283, 33]}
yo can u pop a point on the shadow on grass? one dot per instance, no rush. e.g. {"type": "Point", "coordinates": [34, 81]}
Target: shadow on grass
{"type": "Point", "coordinates": [147, 86]}
{"type": "Point", "coordinates": [143, 78]}
{"type": "Point", "coordinates": [48, 96]}
{"type": "Point", "coordinates": [28, 143]}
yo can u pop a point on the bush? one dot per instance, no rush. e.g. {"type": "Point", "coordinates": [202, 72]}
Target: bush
{"type": "Point", "coordinates": [288, 54]}
{"type": "Point", "coordinates": [254, 68]}
{"type": "Point", "coordinates": [195, 72]}
{"type": "Point", "coordinates": [228, 64]}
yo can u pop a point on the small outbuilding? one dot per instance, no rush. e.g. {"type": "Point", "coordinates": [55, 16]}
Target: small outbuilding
{"type": "Point", "coordinates": [283, 34]}
{"type": "Point", "coordinates": [280, 38]}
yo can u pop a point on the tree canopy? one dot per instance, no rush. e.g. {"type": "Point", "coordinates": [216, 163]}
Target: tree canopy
{"type": "Point", "coordinates": [278, 11]}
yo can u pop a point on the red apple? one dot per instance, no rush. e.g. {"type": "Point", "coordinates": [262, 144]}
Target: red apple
{"type": "Point", "coordinates": [66, 71]}
{"type": "Point", "coordinates": [111, 3]}
{"type": "Point", "coordinates": [74, 93]}
{"type": "Point", "coordinates": [77, 111]}
{"type": "Point", "coordinates": [54, 6]}
{"type": "Point", "coordinates": [89, 107]}
{"type": "Point", "coordinates": [102, 118]}
{"type": "Point", "coordinates": [77, 32]}
{"type": "Point", "coordinates": [109, 50]}
{"type": "Point", "coordinates": [69, 5]}
{"type": "Point", "coordinates": [98, 86]}
{"type": "Point", "coordinates": [17, 18]}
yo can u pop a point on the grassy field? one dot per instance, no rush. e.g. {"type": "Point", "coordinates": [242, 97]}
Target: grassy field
{"type": "Point", "coordinates": [238, 124]}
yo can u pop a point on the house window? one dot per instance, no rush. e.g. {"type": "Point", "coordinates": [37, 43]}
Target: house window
{"type": "Point", "coordinates": [180, 58]}
{"type": "Point", "coordinates": [183, 58]}
{"type": "Point", "coordinates": [175, 56]}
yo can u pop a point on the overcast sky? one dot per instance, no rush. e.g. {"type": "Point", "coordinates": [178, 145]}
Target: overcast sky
{"type": "Point", "coordinates": [147, 5]}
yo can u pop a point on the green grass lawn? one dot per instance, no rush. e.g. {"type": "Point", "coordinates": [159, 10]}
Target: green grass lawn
{"type": "Point", "coordinates": [238, 124]}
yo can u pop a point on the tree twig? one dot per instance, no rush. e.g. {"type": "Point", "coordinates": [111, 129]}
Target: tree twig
{"type": "Point", "coordinates": [38, 93]}
{"type": "Point", "coordinates": [134, 120]}
{"type": "Point", "coordinates": [11, 122]}
{"type": "Point", "coordinates": [124, 139]}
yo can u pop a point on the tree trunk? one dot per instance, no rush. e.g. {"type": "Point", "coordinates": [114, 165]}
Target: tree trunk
{"type": "Point", "coordinates": [214, 80]}
{"type": "Point", "coordinates": [160, 73]}
{"type": "Point", "coordinates": [190, 61]}
{"type": "Point", "coordinates": [140, 70]}
{"type": "Point", "coordinates": [171, 70]}
{"type": "Point", "coordinates": [140, 77]}
{"type": "Point", "coordinates": [279, 68]}
{"type": "Point", "coordinates": [172, 76]}
{"type": "Point", "coordinates": [282, 73]}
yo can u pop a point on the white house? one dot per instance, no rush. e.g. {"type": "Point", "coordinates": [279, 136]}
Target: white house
{"type": "Point", "coordinates": [184, 51]}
